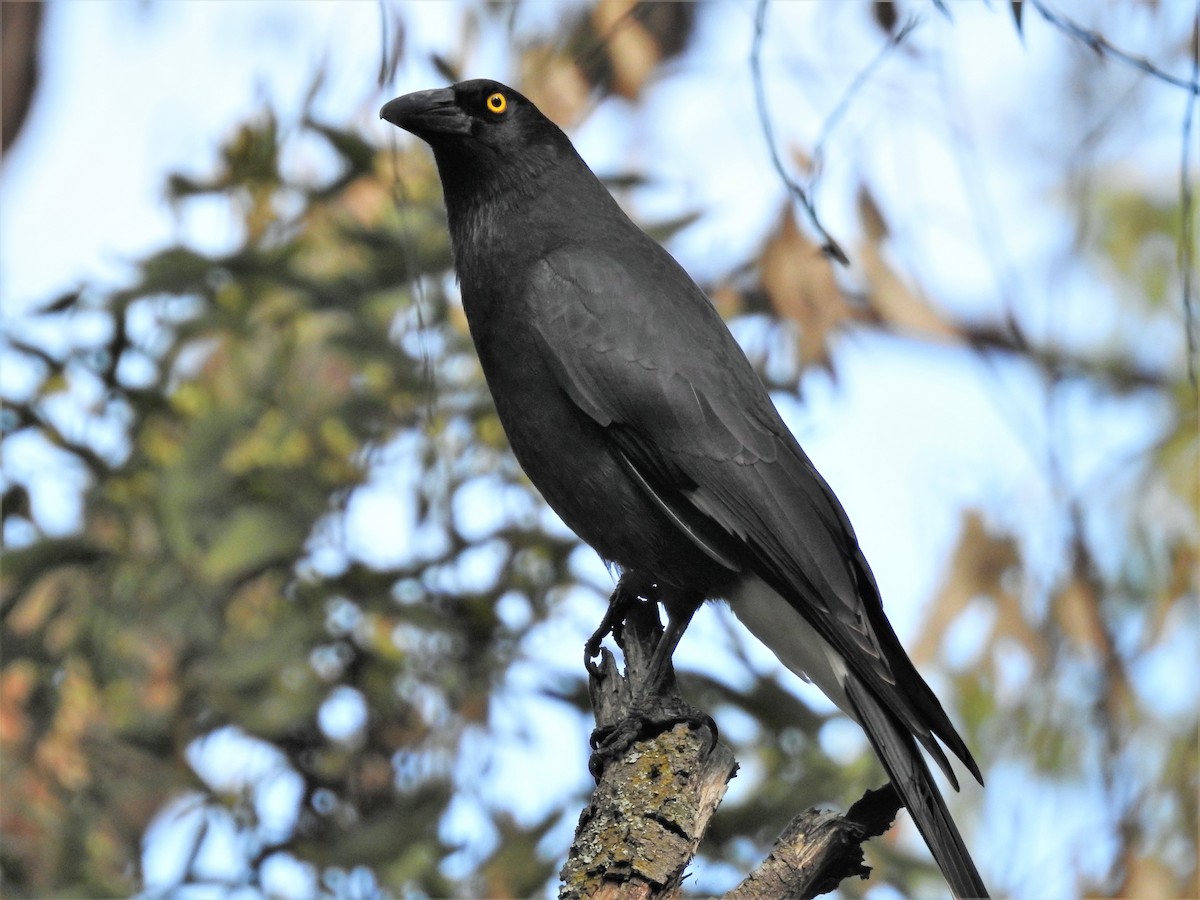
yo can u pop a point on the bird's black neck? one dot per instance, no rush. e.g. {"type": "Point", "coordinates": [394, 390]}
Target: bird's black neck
{"type": "Point", "coordinates": [548, 202]}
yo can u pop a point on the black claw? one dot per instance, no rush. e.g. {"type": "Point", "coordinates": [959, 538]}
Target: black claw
{"type": "Point", "coordinates": [623, 594]}
{"type": "Point", "coordinates": [645, 721]}
{"type": "Point", "coordinates": [592, 651]}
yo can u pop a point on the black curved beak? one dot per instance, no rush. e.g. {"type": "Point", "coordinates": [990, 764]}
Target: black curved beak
{"type": "Point", "coordinates": [427, 113]}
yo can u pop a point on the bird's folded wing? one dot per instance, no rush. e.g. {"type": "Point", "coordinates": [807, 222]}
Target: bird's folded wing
{"type": "Point", "coordinates": [639, 348]}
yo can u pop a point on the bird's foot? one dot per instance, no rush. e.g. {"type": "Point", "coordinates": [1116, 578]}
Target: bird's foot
{"type": "Point", "coordinates": [624, 595]}
{"type": "Point", "coordinates": [647, 718]}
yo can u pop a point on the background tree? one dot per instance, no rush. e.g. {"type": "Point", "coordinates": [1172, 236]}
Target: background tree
{"type": "Point", "coordinates": [310, 628]}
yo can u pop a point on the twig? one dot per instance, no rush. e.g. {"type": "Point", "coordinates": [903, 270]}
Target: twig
{"type": "Point", "coordinates": [1113, 694]}
{"type": "Point", "coordinates": [28, 416]}
{"type": "Point", "coordinates": [830, 246]}
{"type": "Point", "coordinates": [389, 61]}
{"type": "Point", "coordinates": [1101, 45]}
{"type": "Point", "coordinates": [843, 104]}
{"type": "Point", "coordinates": [986, 217]}
{"type": "Point", "coordinates": [1187, 235]}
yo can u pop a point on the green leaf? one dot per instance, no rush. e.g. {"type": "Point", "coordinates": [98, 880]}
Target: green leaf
{"type": "Point", "coordinates": [253, 538]}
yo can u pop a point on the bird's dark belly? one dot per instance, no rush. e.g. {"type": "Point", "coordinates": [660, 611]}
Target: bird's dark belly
{"type": "Point", "coordinates": [574, 464]}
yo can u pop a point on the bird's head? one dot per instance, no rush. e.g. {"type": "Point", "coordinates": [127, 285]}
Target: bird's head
{"type": "Point", "coordinates": [480, 130]}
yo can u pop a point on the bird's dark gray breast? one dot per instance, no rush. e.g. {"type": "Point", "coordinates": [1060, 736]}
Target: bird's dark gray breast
{"type": "Point", "coordinates": [569, 457]}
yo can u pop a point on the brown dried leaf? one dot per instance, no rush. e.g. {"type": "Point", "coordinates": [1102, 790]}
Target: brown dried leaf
{"type": "Point", "coordinates": [633, 52]}
{"type": "Point", "coordinates": [670, 24]}
{"type": "Point", "coordinates": [897, 305]}
{"type": "Point", "coordinates": [39, 603]}
{"type": "Point", "coordinates": [1076, 610]}
{"type": "Point", "coordinates": [1149, 876]}
{"type": "Point", "coordinates": [804, 162]}
{"type": "Point", "coordinates": [978, 569]}
{"type": "Point", "coordinates": [799, 282]}
{"type": "Point", "coordinates": [555, 83]}
{"type": "Point", "coordinates": [869, 213]}
{"type": "Point", "coordinates": [17, 683]}
{"type": "Point", "coordinates": [728, 301]}
{"type": "Point", "coordinates": [367, 200]}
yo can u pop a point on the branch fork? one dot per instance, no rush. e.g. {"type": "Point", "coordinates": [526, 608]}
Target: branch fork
{"type": "Point", "coordinates": [654, 802]}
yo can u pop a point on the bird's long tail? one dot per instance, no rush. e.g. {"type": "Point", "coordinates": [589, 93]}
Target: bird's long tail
{"type": "Point", "coordinates": [905, 765]}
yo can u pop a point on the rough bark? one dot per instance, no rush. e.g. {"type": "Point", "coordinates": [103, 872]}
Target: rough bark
{"type": "Point", "coordinates": [652, 806]}
{"type": "Point", "coordinates": [817, 850]}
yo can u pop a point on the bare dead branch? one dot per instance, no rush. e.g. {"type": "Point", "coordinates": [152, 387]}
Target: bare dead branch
{"type": "Point", "coordinates": [817, 850]}
{"type": "Point", "coordinates": [652, 807]}
{"type": "Point", "coordinates": [829, 245]}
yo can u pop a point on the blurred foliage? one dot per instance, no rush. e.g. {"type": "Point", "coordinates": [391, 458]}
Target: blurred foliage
{"type": "Point", "coordinates": [264, 384]}
{"type": "Point", "coordinates": [227, 412]}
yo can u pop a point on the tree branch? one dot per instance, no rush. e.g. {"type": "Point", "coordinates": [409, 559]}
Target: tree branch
{"type": "Point", "coordinates": [817, 850]}
{"type": "Point", "coordinates": [829, 246]}
{"type": "Point", "coordinates": [653, 805]}
{"type": "Point", "coordinates": [1187, 246]}
{"type": "Point", "coordinates": [1101, 46]}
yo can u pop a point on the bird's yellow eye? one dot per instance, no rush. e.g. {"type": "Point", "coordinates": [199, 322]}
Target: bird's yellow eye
{"type": "Point", "coordinates": [497, 103]}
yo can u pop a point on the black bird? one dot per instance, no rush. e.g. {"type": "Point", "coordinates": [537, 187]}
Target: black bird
{"type": "Point", "coordinates": [637, 415]}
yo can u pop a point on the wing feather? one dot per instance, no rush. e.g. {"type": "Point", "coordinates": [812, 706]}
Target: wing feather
{"type": "Point", "coordinates": [745, 490]}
